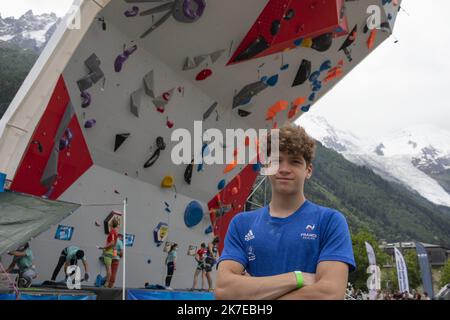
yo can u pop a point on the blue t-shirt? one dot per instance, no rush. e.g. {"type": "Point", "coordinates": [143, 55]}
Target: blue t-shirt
{"type": "Point", "coordinates": [267, 245]}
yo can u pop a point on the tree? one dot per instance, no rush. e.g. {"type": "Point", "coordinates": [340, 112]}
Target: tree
{"type": "Point", "coordinates": [445, 274]}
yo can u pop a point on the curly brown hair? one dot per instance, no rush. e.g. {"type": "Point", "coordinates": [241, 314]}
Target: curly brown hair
{"type": "Point", "coordinates": [296, 142]}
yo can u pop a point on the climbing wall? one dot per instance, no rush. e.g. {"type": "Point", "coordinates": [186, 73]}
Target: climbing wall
{"type": "Point", "coordinates": [146, 69]}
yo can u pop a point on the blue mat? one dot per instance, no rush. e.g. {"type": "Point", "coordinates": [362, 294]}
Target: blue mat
{"type": "Point", "coordinates": [24, 296]}
{"type": "Point", "coordinates": [168, 295]}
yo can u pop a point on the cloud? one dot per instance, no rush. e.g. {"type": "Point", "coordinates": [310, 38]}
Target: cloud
{"type": "Point", "coordinates": [401, 84]}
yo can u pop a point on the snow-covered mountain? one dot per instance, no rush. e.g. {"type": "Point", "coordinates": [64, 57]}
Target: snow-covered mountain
{"type": "Point", "coordinates": [29, 31]}
{"type": "Point", "coordinates": [417, 157]}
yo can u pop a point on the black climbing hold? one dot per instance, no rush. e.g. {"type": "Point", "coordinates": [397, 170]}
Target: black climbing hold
{"type": "Point", "coordinates": [120, 139]}
{"type": "Point", "coordinates": [243, 113]}
{"type": "Point", "coordinates": [188, 172]}
{"type": "Point", "coordinates": [160, 145]}
{"type": "Point", "coordinates": [275, 28]}
{"type": "Point", "coordinates": [289, 14]}
{"type": "Point", "coordinates": [256, 47]}
{"type": "Point", "coordinates": [303, 73]}
{"type": "Point", "coordinates": [350, 39]}
{"type": "Point", "coordinates": [323, 42]}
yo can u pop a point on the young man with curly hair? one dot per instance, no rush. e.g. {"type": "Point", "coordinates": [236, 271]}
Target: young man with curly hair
{"type": "Point", "coordinates": [292, 248]}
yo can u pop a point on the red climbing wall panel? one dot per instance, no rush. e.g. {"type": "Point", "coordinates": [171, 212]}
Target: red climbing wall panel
{"type": "Point", "coordinates": [310, 18]}
{"type": "Point", "coordinates": [72, 162]}
{"type": "Point", "coordinates": [247, 178]}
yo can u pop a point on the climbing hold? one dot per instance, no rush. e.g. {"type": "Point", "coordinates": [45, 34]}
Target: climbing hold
{"type": "Point", "coordinates": [208, 230]}
{"type": "Point", "coordinates": [275, 28]}
{"type": "Point", "coordinates": [133, 12]}
{"type": "Point", "coordinates": [160, 233]}
{"type": "Point", "coordinates": [325, 66]}
{"type": "Point", "coordinates": [234, 191]}
{"type": "Point", "coordinates": [298, 42]}
{"type": "Point", "coordinates": [276, 108]}
{"type": "Point", "coordinates": [306, 108]}
{"type": "Point", "coordinates": [323, 42]}
{"type": "Point", "coordinates": [120, 139]}
{"type": "Point", "coordinates": [97, 224]}
{"type": "Point", "coordinates": [136, 101]}
{"type": "Point", "coordinates": [95, 73]}
{"type": "Point", "coordinates": [230, 167]}
{"type": "Point", "coordinates": [90, 123]}
{"type": "Point", "coordinates": [284, 67]}
{"type": "Point", "coordinates": [188, 172]}
{"type": "Point", "coordinates": [65, 140]}
{"type": "Point", "coordinates": [312, 96]}
{"type": "Point", "coordinates": [209, 111]}
{"type": "Point", "coordinates": [272, 81]}
{"type": "Point", "coordinates": [255, 48]}
{"type": "Point", "coordinates": [299, 101]}
{"type": "Point", "coordinates": [149, 84]}
{"type": "Point", "coordinates": [160, 145]}
{"type": "Point", "coordinates": [314, 76]}
{"type": "Point", "coordinates": [193, 214]}
{"type": "Point", "coordinates": [167, 182]}
{"type": "Point", "coordinates": [204, 74]}
{"type": "Point", "coordinates": [264, 79]}
{"type": "Point", "coordinates": [248, 92]}
{"type": "Point", "coordinates": [293, 111]}
{"type": "Point", "coordinates": [303, 73]}
{"type": "Point", "coordinates": [86, 96]}
{"type": "Point", "coordinates": [256, 167]}
{"type": "Point", "coordinates": [188, 11]}
{"type": "Point", "coordinates": [307, 43]}
{"type": "Point", "coordinates": [169, 123]}
{"type": "Point", "coordinates": [371, 39]}
{"type": "Point", "coordinates": [149, 261]}
{"type": "Point", "coordinates": [221, 184]}
{"type": "Point", "coordinates": [121, 58]}
{"type": "Point", "coordinates": [289, 14]}
{"type": "Point", "coordinates": [243, 113]}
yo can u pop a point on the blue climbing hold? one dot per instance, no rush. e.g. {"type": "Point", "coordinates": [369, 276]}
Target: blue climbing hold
{"type": "Point", "coordinates": [284, 67]}
{"type": "Point", "coordinates": [264, 79]}
{"type": "Point", "coordinates": [205, 150]}
{"type": "Point", "coordinates": [256, 167]}
{"type": "Point", "coordinates": [298, 42]}
{"type": "Point", "coordinates": [272, 81]}
{"type": "Point", "coordinates": [314, 76]}
{"type": "Point", "coordinates": [208, 230]}
{"type": "Point", "coordinates": [221, 184]}
{"type": "Point", "coordinates": [306, 108]}
{"type": "Point", "coordinates": [200, 167]}
{"type": "Point", "coordinates": [193, 214]}
{"type": "Point", "coordinates": [325, 66]}
{"type": "Point", "coordinates": [312, 96]}
{"type": "Point", "coordinates": [167, 210]}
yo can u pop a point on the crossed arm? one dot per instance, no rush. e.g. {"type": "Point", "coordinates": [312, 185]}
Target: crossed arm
{"type": "Point", "coordinates": [328, 283]}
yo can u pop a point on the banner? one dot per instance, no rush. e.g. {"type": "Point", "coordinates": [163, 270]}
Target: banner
{"type": "Point", "coordinates": [402, 272]}
{"type": "Point", "coordinates": [425, 270]}
{"type": "Point", "coordinates": [374, 281]}
{"type": "Point", "coordinates": [371, 254]}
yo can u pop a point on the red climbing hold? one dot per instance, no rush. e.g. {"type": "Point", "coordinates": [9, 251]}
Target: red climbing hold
{"type": "Point", "coordinates": [204, 74]}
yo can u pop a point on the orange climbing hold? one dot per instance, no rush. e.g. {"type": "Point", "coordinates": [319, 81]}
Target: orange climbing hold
{"type": "Point", "coordinates": [299, 101]}
{"type": "Point", "coordinates": [277, 107]}
{"type": "Point", "coordinates": [371, 40]}
{"type": "Point", "coordinates": [230, 166]}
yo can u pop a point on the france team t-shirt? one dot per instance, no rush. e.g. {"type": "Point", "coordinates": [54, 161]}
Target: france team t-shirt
{"type": "Point", "coordinates": [267, 245]}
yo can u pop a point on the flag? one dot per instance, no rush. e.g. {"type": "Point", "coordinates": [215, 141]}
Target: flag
{"type": "Point", "coordinates": [402, 272]}
{"type": "Point", "coordinates": [425, 269]}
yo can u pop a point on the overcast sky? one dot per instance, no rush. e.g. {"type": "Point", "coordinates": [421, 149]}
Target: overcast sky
{"type": "Point", "coordinates": [398, 85]}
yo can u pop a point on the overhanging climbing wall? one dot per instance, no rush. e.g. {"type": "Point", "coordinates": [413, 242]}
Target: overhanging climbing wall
{"type": "Point", "coordinates": [146, 69]}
